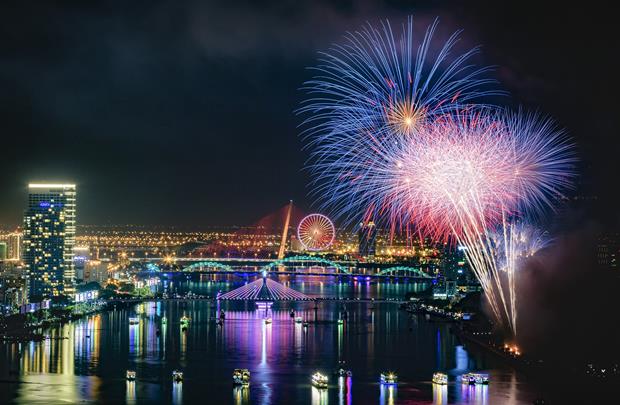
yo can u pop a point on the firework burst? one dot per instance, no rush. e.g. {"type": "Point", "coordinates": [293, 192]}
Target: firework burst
{"type": "Point", "coordinates": [394, 138]}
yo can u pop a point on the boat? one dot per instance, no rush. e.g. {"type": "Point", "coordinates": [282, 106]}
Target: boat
{"type": "Point", "coordinates": [340, 321]}
{"type": "Point", "coordinates": [268, 321]}
{"type": "Point", "coordinates": [468, 378]}
{"type": "Point", "coordinates": [241, 376]}
{"type": "Point", "coordinates": [440, 378]}
{"type": "Point", "coordinates": [184, 320]}
{"type": "Point", "coordinates": [481, 379]}
{"type": "Point", "coordinates": [305, 324]}
{"type": "Point", "coordinates": [177, 376]}
{"type": "Point", "coordinates": [299, 319]}
{"type": "Point", "coordinates": [388, 378]}
{"type": "Point", "coordinates": [164, 320]}
{"type": "Point", "coordinates": [342, 372]}
{"type": "Point", "coordinates": [319, 380]}
{"type": "Point", "coordinates": [131, 375]}
{"type": "Point", "coordinates": [134, 320]}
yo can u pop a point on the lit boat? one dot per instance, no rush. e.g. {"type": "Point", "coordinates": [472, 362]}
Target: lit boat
{"type": "Point", "coordinates": [177, 376]}
{"type": "Point", "coordinates": [305, 324]}
{"type": "Point", "coordinates": [184, 321]}
{"type": "Point", "coordinates": [131, 375]}
{"type": "Point", "coordinates": [164, 320]}
{"type": "Point", "coordinates": [340, 321]}
{"type": "Point", "coordinates": [440, 378]}
{"type": "Point", "coordinates": [481, 378]}
{"type": "Point", "coordinates": [268, 321]}
{"type": "Point", "coordinates": [299, 319]}
{"type": "Point", "coordinates": [468, 378]}
{"type": "Point", "coordinates": [134, 321]}
{"type": "Point", "coordinates": [388, 378]}
{"type": "Point", "coordinates": [319, 380]}
{"type": "Point", "coordinates": [341, 372]}
{"type": "Point", "coordinates": [241, 376]}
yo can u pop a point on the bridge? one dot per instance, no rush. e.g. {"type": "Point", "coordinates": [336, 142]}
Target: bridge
{"type": "Point", "coordinates": [315, 266]}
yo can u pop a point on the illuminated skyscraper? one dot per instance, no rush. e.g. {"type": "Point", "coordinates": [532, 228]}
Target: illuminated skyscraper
{"type": "Point", "coordinates": [48, 240]}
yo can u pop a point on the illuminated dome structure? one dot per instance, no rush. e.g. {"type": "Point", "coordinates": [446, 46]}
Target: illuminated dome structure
{"type": "Point", "coordinates": [316, 232]}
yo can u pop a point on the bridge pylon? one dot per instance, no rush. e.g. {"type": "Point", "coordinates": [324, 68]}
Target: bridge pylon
{"type": "Point", "coordinates": [285, 232]}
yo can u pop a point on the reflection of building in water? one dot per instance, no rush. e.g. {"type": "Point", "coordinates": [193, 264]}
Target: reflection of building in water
{"type": "Point", "coordinates": [135, 345]}
{"type": "Point", "coordinates": [55, 355]}
{"type": "Point", "coordinates": [50, 362]}
{"type": "Point", "coordinates": [87, 335]}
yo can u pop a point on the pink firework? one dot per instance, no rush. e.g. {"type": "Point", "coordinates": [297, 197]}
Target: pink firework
{"type": "Point", "coordinates": [466, 172]}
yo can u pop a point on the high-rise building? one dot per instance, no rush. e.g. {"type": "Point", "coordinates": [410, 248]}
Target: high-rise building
{"type": "Point", "coordinates": [367, 239]}
{"type": "Point", "coordinates": [49, 239]}
{"type": "Point", "coordinates": [3, 250]}
{"type": "Point", "coordinates": [14, 246]}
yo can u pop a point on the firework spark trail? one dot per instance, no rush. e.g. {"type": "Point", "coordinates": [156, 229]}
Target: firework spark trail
{"type": "Point", "coordinates": [512, 244]}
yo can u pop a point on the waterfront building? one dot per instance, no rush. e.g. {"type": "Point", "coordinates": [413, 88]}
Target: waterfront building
{"type": "Point", "coordinates": [446, 289]}
{"type": "Point", "coordinates": [95, 270]}
{"type": "Point", "coordinates": [367, 239]}
{"type": "Point", "coordinates": [81, 254]}
{"type": "Point", "coordinates": [49, 239]}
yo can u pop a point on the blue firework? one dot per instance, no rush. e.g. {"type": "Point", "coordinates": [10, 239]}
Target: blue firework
{"type": "Point", "coordinates": [370, 91]}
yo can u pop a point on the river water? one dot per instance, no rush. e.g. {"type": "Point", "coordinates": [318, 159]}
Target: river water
{"type": "Point", "coordinates": [90, 364]}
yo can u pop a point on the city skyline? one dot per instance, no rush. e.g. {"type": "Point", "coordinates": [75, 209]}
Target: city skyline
{"type": "Point", "coordinates": [132, 138]}
{"type": "Point", "coordinates": [420, 194]}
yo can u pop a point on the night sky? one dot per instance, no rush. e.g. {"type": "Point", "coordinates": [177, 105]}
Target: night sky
{"type": "Point", "coordinates": [182, 113]}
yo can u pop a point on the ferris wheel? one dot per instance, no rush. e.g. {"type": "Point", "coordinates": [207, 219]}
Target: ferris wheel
{"type": "Point", "coordinates": [316, 232]}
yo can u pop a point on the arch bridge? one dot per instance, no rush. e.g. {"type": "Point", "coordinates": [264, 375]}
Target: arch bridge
{"type": "Point", "coordinates": [305, 260]}
{"type": "Point", "coordinates": [210, 266]}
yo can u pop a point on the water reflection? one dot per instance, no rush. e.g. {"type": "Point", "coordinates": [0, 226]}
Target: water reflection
{"type": "Point", "coordinates": [440, 394]}
{"type": "Point", "coordinates": [130, 396]}
{"type": "Point", "coordinates": [387, 394]}
{"type": "Point", "coordinates": [345, 392]}
{"type": "Point", "coordinates": [319, 396]}
{"type": "Point", "coordinates": [475, 394]}
{"type": "Point", "coordinates": [87, 360]}
{"type": "Point", "coordinates": [177, 392]}
{"type": "Point", "coordinates": [241, 395]}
